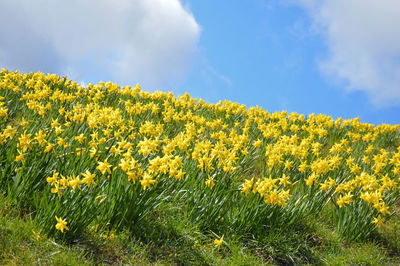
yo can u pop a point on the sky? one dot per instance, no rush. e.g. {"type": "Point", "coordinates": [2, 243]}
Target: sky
{"type": "Point", "coordinates": [336, 57]}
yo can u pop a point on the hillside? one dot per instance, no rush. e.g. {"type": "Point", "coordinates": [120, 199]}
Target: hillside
{"type": "Point", "coordinates": [118, 175]}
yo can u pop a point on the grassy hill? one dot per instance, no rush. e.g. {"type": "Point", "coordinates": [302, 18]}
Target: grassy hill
{"type": "Point", "coordinates": [114, 175]}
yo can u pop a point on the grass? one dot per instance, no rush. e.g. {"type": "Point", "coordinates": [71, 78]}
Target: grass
{"type": "Point", "coordinates": [115, 175]}
{"type": "Point", "coordinates": [19, 246]}
{"type": "Point", "coordinates": [168, 238]}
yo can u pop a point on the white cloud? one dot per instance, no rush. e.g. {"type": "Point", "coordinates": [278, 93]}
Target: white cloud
{"type": "Point", "coordinates": [128, 41]}
{"type": "Point", "coordinates": [363, 38]}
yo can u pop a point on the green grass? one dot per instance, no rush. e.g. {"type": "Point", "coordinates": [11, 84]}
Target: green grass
{"type": "Point", "coordinates": [112, 175]}
{"type": "Point", "coordinates": [166, 237]}
{"type": "Point", "coordinates": [19, 246]}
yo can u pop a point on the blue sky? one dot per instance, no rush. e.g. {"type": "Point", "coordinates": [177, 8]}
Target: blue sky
{"type": "Point", "coordinates": [331, 56]}
{"type": "Point", "coordinates": [266, 54]}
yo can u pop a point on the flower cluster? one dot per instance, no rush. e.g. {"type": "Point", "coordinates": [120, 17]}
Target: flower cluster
{"type": "Point", "coordinates": [103, 139]}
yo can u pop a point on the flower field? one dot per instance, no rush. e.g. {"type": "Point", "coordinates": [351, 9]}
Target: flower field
{"type": "Point", "coordinates": [105, 156]}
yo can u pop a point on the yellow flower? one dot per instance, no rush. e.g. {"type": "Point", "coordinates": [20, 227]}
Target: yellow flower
{"type": "Point", "coordinates": [180, 175]}
{"type": "Point", "coordinates": [328, 184]}
{"type": "Point", "coordinates": [9, 132]}
{"type": "Point", "coordinates": [93, 152]}
{"type": "Point", "coordinates": [81, 138]}
{"type": "Point", "coordinates": [378, 220]}
{"type": "Point", "coordinates": [369, 149]}
{"type": "Point", "coordinates": [55, 123]}
{"type": "Point", "coordinates": [88, 178]}
{"type": "Point", "coordinates": [100, 198]}
{"type": "Point", "coordinates": [60, 141]}
{"type": "Point", "coordinates": [61, 224]}
{"type": "Point", "coordinates": [74, 182]}
{"type": "Point", "coordinates": [218, 242]}
{"type": "Point", "coordinates": [104, 167]}
{"type": "Point", "coordinates": [40, 138]}
{"type": "Point", "coordinates": [23, 122]}
{"type": "Point", "coordinates": [57, 189]}
{"type": "Point", "coordinates": [288, 164]}
{"type": "Point", "coordinates": [343, 200]}
{"type": "Point", "coordinates": [48, 148]}
{"type": "Point", "coordinates": [210, 182]}
{"type": "Point", "coordinates": [147, 181]}
{"type": "Point", "coordinates": [257, 143]}
{"type": "Point", "coordinates": [303, 167]}
{"type": "Point", "coordinates": [24, 141]}
{"type": "Point", "coordinates": [311, 179]}
{"type": "Point", "coordinates": [284, 180]}
{"type": "Point", "coordinates": [37, 235]}
{"type": "Point", "coordinates": [79, 151]}
{"type": "Point", "coordinates": [383, 208]}
{"type": "Point", "coordinates": [20, 156]}
{"type": "Point", "coordinates": [248, 184]}
{"type": "Point", "coordinates": [94, 135]}
{"type": "Point", "coordinates": [3, 112]}
{"type": "Point", "coordinates": [52, 179]}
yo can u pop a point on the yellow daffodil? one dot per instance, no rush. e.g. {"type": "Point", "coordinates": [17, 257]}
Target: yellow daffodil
{"type": "Point", "coordinates": [378, 220]}
{"type": "Point", "coordinates": [88, 178]}
{"type": "Point", "coordinates": [147, 181]}
{"type": "Point", "coordinates": [218, 242]}
{"type": "Point", "coordinates": [104, 167]}
{"type": "Point", "coordinates": [210, 182]}
{"type": "Point", "coordinates": [61, 224]}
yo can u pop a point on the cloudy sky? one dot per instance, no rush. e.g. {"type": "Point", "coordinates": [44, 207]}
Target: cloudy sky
{"type": "Point", "coordinates": [337, 57]}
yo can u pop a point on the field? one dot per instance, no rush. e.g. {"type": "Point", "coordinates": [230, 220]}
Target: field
{"type": "Point", "coordinates": [114, 175]}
